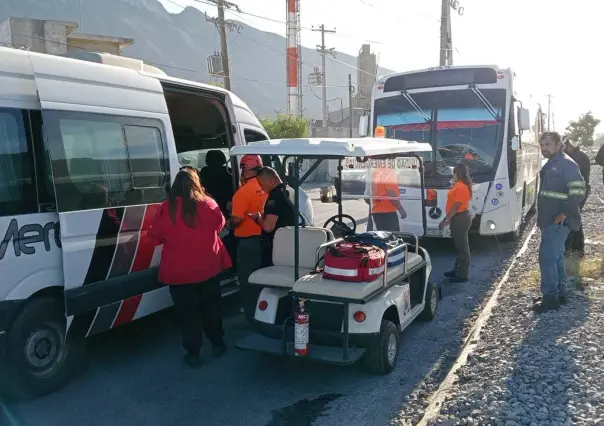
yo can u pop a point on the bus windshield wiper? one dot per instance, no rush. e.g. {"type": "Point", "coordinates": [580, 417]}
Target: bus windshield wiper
{"type": "Point", "coordinates": [415, 106]}
{"type": "Point", "coordinates": [485, 102]}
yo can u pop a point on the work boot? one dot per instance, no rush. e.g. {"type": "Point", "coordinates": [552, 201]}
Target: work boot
{"type": "Point", "coordinates": [219, 349]}
{"type": "Point", "coordinates": [546, 304]}
{"type": "Point", "coordinates": [192, 360]}
{"type": "Point", "coordinates": [562, 300]}
{"type": "Point", "coordinates": [450, 274]}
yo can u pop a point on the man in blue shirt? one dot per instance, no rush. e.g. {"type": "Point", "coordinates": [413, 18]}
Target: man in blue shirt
{"type": "Point", "coordinates": [561, 193]}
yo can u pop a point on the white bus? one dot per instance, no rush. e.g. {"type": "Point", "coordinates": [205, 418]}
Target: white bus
{"type": "Point", "coordinates": [469, 114]}
{"type": "Point", "coordinates": [86, 152]}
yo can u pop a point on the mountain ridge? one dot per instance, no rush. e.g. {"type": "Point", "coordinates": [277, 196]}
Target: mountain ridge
{"type": "Point", "coordinates": [179, 43]}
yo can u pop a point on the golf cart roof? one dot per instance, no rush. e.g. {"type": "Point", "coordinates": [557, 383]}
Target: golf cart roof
{"type": "Point", "coordinates": [331, 147]}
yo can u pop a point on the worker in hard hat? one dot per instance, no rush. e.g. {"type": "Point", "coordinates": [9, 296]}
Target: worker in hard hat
{"type": "Point", "coordinates": [247, 201]}
{"type": "Point", "coordinates": [385, 212]}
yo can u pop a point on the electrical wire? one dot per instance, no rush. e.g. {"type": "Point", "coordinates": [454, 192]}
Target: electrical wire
{"type": "Point", "coordinates": [157, 64]}
{"type": "Point", "coordinates": [278, 21]}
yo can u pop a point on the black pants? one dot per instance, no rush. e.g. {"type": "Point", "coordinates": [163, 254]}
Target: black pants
{"type": "Point", "coordinates": [460, 227]}
{"type": "Point", "coordinates": [386, 222]}
{"type": "Point", "coordinates": [195, 303]}
{"type": "Point", "coordinates": [249, 259]}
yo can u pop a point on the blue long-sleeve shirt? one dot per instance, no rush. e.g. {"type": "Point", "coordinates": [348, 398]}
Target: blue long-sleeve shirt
{"type": "Point", "coordinates": [562, 191]}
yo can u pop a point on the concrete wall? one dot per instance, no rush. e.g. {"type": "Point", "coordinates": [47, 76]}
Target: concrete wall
{"type": "Point", "coordinates": [79, 45]}
{"type": "Point", "coordinates": [38, 36]}
{"type": "Point", "coordinates": [5, 39]}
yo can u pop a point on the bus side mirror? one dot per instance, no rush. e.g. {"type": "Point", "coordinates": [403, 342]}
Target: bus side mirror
{"type": "Point", "coordinates": [524, 119]}
{"type": "Point", "coordinates": [363, 126]}
{"type": "Point", "coordinates": [515, 143]}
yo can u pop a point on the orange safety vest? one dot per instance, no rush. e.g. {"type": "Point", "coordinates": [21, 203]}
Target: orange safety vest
{"type": "Point", "coordinates": [383, 180]}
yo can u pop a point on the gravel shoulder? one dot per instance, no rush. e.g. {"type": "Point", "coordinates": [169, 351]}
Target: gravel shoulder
{"type": "Point", "coordinates": [535, 370]}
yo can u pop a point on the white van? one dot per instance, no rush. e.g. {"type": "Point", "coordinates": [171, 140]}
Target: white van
{"type": "Point", "coordinates": [86, 152]}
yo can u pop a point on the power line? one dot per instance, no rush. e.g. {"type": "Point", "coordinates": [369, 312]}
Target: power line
{"type": "Point", "coordinates": [222, 26]}
{"type": "Point", "coordinates": [161, 65]}
{"type": "Point", "coordinates": [324, 51]}
{"type": "Point", "coordinates": [278, 21]}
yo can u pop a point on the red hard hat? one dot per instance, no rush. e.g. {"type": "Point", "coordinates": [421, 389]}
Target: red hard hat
{"type": "Point", "coordinates": [249, 162]}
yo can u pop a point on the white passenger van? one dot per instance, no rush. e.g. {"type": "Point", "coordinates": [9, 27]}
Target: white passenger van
{"type": "Point", "coordinates": [86, 152]}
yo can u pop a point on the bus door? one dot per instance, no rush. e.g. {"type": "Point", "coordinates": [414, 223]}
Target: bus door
{"type": "Point", "coordinates": [107, 144]}
{"type": "Point", "coordinates": [393, 190]}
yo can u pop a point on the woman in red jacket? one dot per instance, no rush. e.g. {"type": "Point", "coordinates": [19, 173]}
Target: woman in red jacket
{"type": "Point", "coordinates": [192, 258]}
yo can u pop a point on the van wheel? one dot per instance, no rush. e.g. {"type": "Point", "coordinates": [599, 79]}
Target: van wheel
{"type": "Point", "coordinates": [39, 359]}
{"type": "Point", "coordinates": [381, 359]}
{"type": "Point", "coordinates": [432, 296]}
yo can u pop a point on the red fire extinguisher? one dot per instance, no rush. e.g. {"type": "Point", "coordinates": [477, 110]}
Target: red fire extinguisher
{"type": "Point", "coordinates": [301, 328]}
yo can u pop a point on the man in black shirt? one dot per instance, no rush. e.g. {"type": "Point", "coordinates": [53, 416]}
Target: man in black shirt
{"type": "Point", "coordinates": [278, 210]}
{"type": "Point", "coordinates": [576, 239]}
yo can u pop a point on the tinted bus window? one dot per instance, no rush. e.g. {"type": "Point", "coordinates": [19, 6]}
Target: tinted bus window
{"type": "Point", "coordinates": [17, 183]}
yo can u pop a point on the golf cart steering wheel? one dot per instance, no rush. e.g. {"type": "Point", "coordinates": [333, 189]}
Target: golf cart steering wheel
{"type": "Point", "coordinates": [339, 228]}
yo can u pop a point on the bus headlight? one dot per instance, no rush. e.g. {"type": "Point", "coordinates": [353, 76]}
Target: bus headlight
{"type": "Point", "coordinates": [491, 225]}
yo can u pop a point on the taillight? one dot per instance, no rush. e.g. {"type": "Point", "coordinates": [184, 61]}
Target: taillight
{"type": "Point", "coordinates": [359, 316]}
{"type": "Point", "coordinates": [263, 305]}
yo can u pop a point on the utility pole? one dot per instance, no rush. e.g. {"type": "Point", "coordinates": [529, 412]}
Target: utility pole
{"type": "Point", "coordinates": [222, 25]}
{"type": "Point", "coordinates": [446, 36]}
{"type": "Point", "coordinates": [324, 51]}
{"type": "Point", "coordinates": [350, 92]}
{"type": "Point", "coordinates": [549, 110]}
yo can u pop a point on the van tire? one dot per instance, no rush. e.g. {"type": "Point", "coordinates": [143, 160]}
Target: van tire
{"type": "Point", "coordinates": [380, 359]}
{"type": "Point", "coordinates": [40, 326]}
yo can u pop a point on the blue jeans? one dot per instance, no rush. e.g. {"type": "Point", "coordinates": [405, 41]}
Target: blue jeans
{"type": "Point", "coordinates": [551, 260]}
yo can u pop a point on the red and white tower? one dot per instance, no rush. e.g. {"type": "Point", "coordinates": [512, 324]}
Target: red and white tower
{"type": "Point", "coordinates": [294, 62]}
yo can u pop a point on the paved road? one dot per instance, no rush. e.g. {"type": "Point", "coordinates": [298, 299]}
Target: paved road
{"type": "Point", "coordinates": [134, 374]}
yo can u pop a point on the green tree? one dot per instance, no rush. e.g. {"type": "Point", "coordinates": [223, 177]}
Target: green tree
{"type": "Point", "coordinates": [581, 131]}
{"type": "Point", "coordinates": [285, 126]}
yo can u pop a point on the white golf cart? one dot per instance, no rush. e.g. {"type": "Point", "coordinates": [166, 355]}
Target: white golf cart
{"type": "Point", "coordinates": [348, 320]}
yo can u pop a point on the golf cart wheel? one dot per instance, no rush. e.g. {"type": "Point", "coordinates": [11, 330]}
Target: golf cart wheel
{"type": "Point", "coordinates": [40, 359]}
{"type": "Point", "coordinates": [432, 296]}
{"type": "Point", "coordinates": [381, 359]}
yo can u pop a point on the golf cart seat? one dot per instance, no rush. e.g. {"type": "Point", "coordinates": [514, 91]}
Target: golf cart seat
{"type": "Point", "coordinates": [281, 274]}
{"type": "Point", "coordinates": [317, 285]}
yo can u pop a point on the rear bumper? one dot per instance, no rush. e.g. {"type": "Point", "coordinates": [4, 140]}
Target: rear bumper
{"type": "Point", "coordinates": [317, 337]}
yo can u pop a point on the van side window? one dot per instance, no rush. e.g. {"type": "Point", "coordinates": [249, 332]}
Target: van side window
{"type": "Point", "coordinates": [101, 161]}
{"type": "Point", "coordinates": [17, 183]}
{"type": "Point", "coordinates": [267, 160]}
{"type": "Point", "coordinates": [146, 155]}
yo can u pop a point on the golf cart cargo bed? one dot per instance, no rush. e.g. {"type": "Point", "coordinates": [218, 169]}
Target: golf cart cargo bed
{"type": "Point", "coordinates": [319, 288]}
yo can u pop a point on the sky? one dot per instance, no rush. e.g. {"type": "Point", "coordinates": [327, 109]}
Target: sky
{"type": "Point", "coordinates": [549, 44]}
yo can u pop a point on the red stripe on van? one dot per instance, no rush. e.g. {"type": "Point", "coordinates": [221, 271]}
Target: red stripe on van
{"type": "Point", "coordinates": [142, 261]}
{"type": "Point", "coordinates": [127, 310]}
{"type": "Point", "coordinates": [146, 247]}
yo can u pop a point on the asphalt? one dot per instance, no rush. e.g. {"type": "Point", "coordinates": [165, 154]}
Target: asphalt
{"type": "Point", "coordinates": [134, 374]}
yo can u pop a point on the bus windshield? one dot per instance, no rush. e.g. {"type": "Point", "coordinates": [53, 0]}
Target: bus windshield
{"type": "Point", "coordinates": [461, 128]}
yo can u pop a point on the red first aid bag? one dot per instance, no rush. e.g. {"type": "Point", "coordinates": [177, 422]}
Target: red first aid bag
{"type": "Point", "coordinates": [355, 262]}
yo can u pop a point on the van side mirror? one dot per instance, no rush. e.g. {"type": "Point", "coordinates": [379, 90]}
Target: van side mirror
{"type": "Point", "coordinates": [515, 143]}
{"type": "Point", "coordinates": [524, 119]}
{"type": "Point", "coordinates": [363, 126]}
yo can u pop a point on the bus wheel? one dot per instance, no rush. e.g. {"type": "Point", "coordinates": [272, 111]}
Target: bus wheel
{"type": "Point", "coordinates": [514, 235]}
{"type": "Point", "coordinates": [40, 361]}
